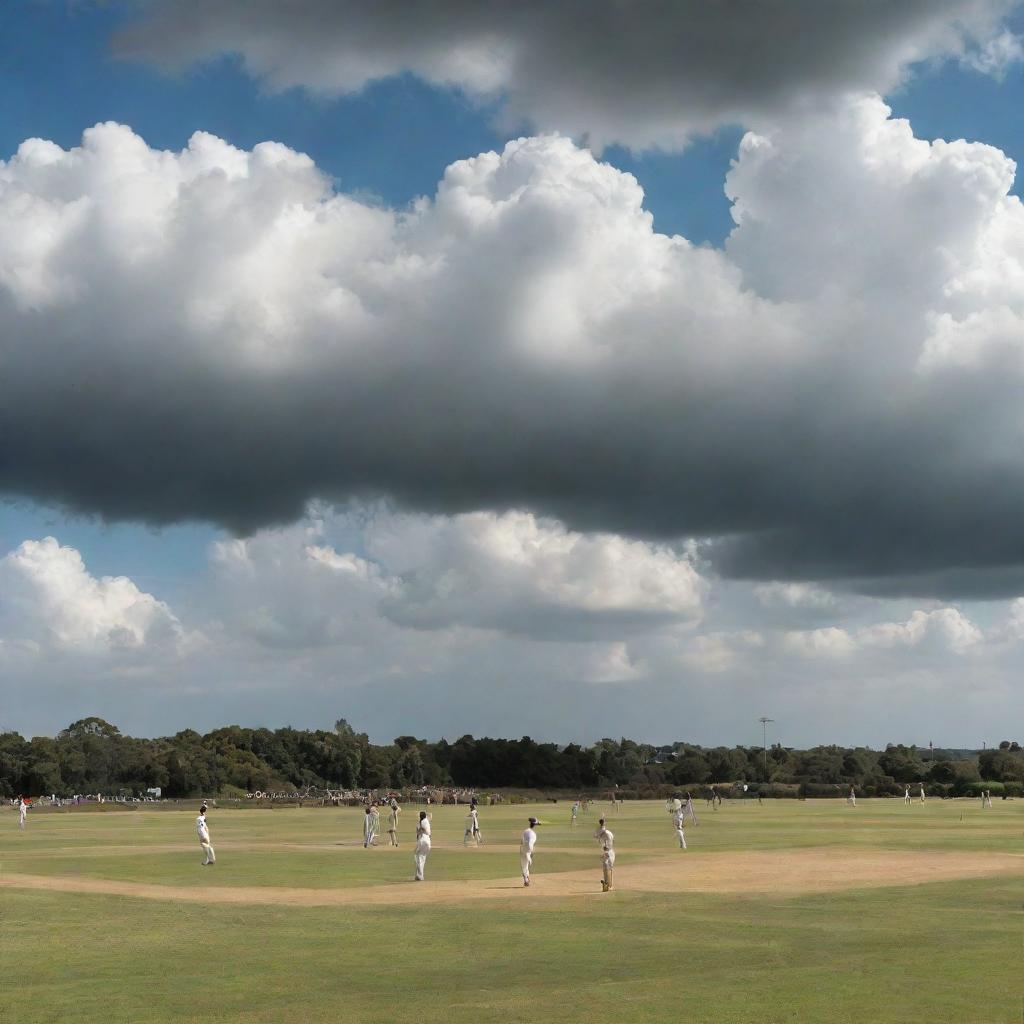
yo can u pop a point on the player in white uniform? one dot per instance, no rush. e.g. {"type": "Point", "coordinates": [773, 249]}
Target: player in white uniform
{"type": "Point", "coordinates": [606, 838]}
{"type": "Point", "coordinates": [393, 823]}
{"type": "Point", "coordinates": [852, 798]}
{"type": "Point", "coordinates": [922, 792]}
{"type": "Point", "coordinates": [369, 832]}
{"type": "Point", "coordinates": [575, 812]}
{"type": "Point", "coordinates": [419, 856]}
{"type": "Point", "coordinates": [526, 845]}
{"type": "Point", "coordinates": [203, 831]}
{"type": "Point", "coordinates": [677, 823]}
{"type": "Point", "coordinates": [987, 802]}
{"type": "Point", "coordinates": [22, 813]}
{"type": "Point", "coordinates": [472, 828]}
{"type": "Point", "coordinates": [906, 797]}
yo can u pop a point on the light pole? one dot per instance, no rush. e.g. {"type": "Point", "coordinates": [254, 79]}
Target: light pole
{"type": "Point", "coordinates": [764, 742]}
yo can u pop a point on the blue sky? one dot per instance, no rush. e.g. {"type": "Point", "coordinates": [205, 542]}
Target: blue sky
{"type": "Point", "coordinates": [388, 144]}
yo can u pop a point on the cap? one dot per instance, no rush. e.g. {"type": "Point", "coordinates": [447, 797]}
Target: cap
{"type": "Point", "coordinates": [202, 808]}
{"type": "Point", "coordinates": [534, 821]}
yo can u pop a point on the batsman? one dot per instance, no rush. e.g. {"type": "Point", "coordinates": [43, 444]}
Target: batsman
{"type": "Point", "coordinates": [606, 839]}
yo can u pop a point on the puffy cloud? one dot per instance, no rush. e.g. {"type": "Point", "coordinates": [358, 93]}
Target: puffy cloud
{"type": "Point", "coordinates": [644, 74]}
{"type": "Point", "coordinates": [942, 631]}
{"type": "Point", "coordinates": [218, 334]}
{"type": "Point", "coordinates": [520, 574]}
{"type": "Point", "coordinates": [48, 600]}
{"type": "Point", "coordinates": [510, 573]}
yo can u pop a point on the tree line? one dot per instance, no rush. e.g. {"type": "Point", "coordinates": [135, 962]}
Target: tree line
{"type": "Point", "coordinates": [93, 756]}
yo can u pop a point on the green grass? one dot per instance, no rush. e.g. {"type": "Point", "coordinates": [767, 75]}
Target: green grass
{"type": "Point", "coordinates": [948, 952]}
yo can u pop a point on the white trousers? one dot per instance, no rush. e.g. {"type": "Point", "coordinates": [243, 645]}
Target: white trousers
{"type": "Point", "coordinates": [525, 861]}
{"type": "Point", "coordinates": [682, 838]}
{"type": "Point", "coordinates": [211, 857]}
{"type": "Point", "coordinates": [368, 837]}
{"type": "Point", "coordinates": [419, 857]}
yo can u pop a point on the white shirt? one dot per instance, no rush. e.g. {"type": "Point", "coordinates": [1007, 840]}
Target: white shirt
{"type": "Point", "coordinates": [201, 829]}
{"type": "Point", "coordinates": [606, 837]}
{"type": "Point", "coordinates": [474, 823]}
{"type": "Point", "coordinates": [528, 841]}
{"type": "Point", "coordinates": [678, 819]}
{"type": "Point", "coordinates": [423, 829]}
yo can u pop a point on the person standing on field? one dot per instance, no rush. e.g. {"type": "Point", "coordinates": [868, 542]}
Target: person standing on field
{"type": "Point", "coordinates": [678, 820]}
{"type": "Point", "coordinates": [22, 813]}
{"type": "Point", "coordinates": [575, 812]}
{"type": "Point", "coordinates": [852, 798]}
{"type": "Point", "coordinates": [419, 856]}
{"type": "Point", "coordinates": [526, 845]}
{"type": "Point", "coordinates": [906, 797]}
{"type": "Point", "coordinates": [606, 838]}
{"type": "Point", "coordinates": [203, 831]}
{"type": "Point", "coordinates": [473, 827]}
{"type": "Point", "coordinates": [922, 792]}
{"type": "Point", "coordinates": [393, 823]}
{"type": "Point", "coordinates": [369, 833]}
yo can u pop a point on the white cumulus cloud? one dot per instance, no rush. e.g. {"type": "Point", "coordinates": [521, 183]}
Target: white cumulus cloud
{"type": "Point", "coordinates": [48, 599]}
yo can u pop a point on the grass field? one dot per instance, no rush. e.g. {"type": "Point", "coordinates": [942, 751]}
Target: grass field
{"type": "Point", "coordinates": [789, 911]}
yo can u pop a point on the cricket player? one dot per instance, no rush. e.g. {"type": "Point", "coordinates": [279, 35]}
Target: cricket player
{"type": "Point", "coordinates": [606, 838]}
{"type": "Point", "coordinates": [203, 831]}
{"type": "Point", "coordinates": [688, 809]}
{"type": "Point", "coordinates": [22, 813]}
{"type": "Point", "coordinates": [369, 832]}
{"type": "Point", "coordinates": [393, 823]}
{"type": "Point", "coordinates": [987, 802]}
{"type": "Point", "coordinates": [906, 797]}
{"type": "Point", "coordinates": [526, 845]}
{"type": "Point", "coordinates": [472, 828]}
{"type": "Point", "coordinates": [575, 813]}
{"type": "Point", "coordinates": [678, 820]}
{"type": "Point", "coordinates": [852, 798]}
{"type": "Point", "coordinates": [922, 792]}
{"type": "Point", "coordinates": [419, 856]}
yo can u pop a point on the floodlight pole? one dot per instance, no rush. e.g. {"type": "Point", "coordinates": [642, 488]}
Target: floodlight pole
{"type": "Point", "coordinates": [764, 742]}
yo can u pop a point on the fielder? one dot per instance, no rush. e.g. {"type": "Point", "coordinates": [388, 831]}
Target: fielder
{"type": "Point", "coordinates": [393, 823]}
{"type": "Point", "coordinates": [906, 798]}
{"type": "Point", "coordinates": [688, 810]}
{"type": "Point", "coordinates": [526, 845]}
{"type": "Point", "coordinates": [606, 838]}
{"type": "Point", "coordinates": [922, 792]}
{"type": "Point", "coordinates": [22, 813]}
{"type": "Point", "coordinates": [852, 798]}
{"type": "Point", "coordinates": [203, 831]}
{"type": "Point", "coordinates": [678, 820]}
{"type": "Point", "coordinates": [472, 828]}
{"type": "Point", "coordinates": [575, 812]}
{"type": "Point", "coordinates": [419, 857]}
{"type": "Point", "coordinates": [369, 832]}
{"type": "Point", "coordinates": [987, 802]}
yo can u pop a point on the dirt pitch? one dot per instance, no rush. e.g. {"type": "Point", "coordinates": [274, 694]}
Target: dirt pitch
{"type": "Point", "coordinates": [783, 873]}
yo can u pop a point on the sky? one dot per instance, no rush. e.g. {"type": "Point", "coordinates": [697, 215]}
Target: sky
{"type": "Point", "coordinates": [566, 370]}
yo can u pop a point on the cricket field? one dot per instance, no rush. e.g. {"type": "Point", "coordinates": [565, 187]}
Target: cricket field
{"type": "Point", "coordinates": [787, 911]}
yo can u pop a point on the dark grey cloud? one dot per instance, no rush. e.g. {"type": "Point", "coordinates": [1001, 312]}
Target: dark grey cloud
{"type": "Point", "coordinates": [643, 73]}
{"type": "Point", "coordinates": [216, 335]}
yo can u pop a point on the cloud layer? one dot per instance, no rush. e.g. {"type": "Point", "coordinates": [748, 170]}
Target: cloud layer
{"type": "Point", "coordinates": [418, 623]}
{"type": "Point", "coordinates": [216, 334]}
{"type": "Point", "coordinates": [644, 74]}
